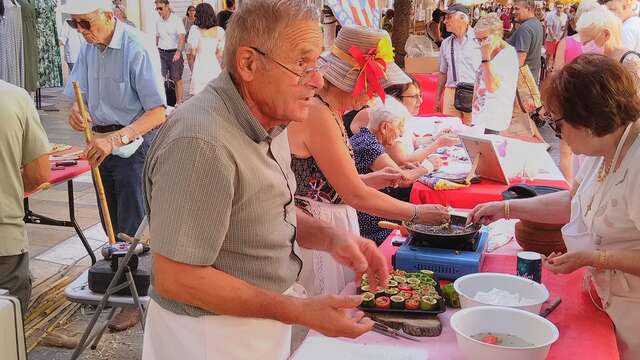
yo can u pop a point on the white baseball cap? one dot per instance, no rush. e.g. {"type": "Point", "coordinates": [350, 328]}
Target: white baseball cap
{"type": "Point", "coordinates": [81, 7]}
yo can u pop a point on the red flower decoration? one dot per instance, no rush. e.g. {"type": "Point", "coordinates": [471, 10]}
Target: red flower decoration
{"type": "Point", "coordinates": [372, 70]}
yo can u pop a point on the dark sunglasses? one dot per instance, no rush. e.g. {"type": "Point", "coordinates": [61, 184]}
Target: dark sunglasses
{"type": "Point", "coordinates": [556, 126]}
{"type": "Point", "coordinates": [74, 24]}
{"type": "Point", "coordinates": [159, 8]}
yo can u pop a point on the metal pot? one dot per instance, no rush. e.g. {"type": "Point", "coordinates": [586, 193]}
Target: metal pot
{"type": "Point", "coordinates": [435, 235]}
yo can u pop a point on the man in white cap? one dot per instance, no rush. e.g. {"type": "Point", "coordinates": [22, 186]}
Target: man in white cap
{"type": "Point", "coordinates": [126, 101]}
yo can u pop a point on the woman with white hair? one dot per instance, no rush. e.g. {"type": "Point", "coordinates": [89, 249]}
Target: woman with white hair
{"type": "Point", "coordinates": [496, 79]}
{"type": "Point", "coordinates": [599, 32]}
{"type": "Point", "coordinates": [359, 67]}
{"type": "Point", "coordinates": [386, 125]}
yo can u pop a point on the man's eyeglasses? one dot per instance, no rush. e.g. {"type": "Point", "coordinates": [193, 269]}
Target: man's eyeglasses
{"type": "Point", "coordinates": [307, 73]}
{"type": "Point", "coordinates": [556, 126]}
{"type": "Point", "coordinates": [159, 8]}
{"type": "Point", "coordinates": [84, 24]}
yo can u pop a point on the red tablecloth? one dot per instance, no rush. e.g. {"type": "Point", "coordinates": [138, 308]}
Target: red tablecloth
{"type": "Point", "coordinates": [471, 196]}
{"type": "Point", "coordinates": [68, 173]}
{"type": "Point", "coordinates": [585, 331]}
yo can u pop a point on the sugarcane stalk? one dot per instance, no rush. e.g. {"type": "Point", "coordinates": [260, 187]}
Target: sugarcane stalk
{"type": "Point", "coordinates": [88, 137]}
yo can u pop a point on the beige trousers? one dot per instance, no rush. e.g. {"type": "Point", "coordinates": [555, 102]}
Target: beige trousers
{"type": "Point", "coordinates": [449, 109]}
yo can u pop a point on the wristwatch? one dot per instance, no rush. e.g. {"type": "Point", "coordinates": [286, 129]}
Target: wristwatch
{"type": "Point", "coordinates": [124, 139]}
{"type": "Point", "coordinates": [484, 61]}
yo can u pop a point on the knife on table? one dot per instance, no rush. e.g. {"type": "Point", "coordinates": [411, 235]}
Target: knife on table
{"type": "Point", "coordinates": [552, 306]}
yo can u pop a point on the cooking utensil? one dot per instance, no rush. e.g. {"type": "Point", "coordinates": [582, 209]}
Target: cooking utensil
{"type": "Point", "coordinates": [393, 332]}
{"type": "Point", "coordinates": [552, 306]}
{"type": "Point", "coordinates": [435, 236]}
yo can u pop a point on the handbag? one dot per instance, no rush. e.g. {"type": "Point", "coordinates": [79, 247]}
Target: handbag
{"type": "Point", "coordinates": [527, 92]}
{"type": "Point", "coordinates": [463, 96]}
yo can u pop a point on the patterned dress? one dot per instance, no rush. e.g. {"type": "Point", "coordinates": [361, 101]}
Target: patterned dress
{"type": "Point", "coordinates": [50, 60]}
{"type": "Point", "coordinates": [30, 42]}
{"type": "Point", "coordinates": [366, 149]}
{"type": "Point", "coordinates": [11, 55]}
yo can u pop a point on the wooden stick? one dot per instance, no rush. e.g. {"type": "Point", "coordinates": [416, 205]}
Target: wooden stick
{"type": "Point", "coordinates": [88, 137]}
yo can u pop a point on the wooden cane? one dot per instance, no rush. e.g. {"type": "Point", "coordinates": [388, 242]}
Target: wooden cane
{"type": "Point", "coordinates": [88, 137]}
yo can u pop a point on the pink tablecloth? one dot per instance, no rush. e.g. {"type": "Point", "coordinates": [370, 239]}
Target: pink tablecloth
{"type": "Point", "coordinates": [68, 173]}
{"type": "Point", "coordinates": [585, 332]}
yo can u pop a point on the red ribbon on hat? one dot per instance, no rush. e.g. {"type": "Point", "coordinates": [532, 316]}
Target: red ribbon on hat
{"type": "Point", "coordinates": [372, 70]}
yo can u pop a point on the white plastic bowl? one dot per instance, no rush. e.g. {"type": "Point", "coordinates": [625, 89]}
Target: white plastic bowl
{"type": "Point", "coordinates": [469, 285]}
{"type": "Point", "coordinates": [482, 319]}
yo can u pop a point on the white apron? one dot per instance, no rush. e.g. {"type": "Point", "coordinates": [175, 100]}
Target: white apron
{"type": "Point", "coordinates": [321, 274]}
{"type": "Point", "coordinates": [619, 292]}
{"type": "Point", "coordinates": [169, 336]}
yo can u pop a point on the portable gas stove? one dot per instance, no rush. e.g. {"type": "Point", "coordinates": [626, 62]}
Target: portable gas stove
{"type": "Point", "coordinates": [447, 263]}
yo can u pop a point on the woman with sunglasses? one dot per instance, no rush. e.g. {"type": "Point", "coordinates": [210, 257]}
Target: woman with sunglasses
{"type": "Point", "coordinates": [496, 79]}
{"type": "Point", "coordinates": [596, 107]}
{"type": "Point", "coordinates": [329, 186]}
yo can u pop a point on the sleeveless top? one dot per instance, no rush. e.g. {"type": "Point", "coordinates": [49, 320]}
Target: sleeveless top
{"type": "Point", "coordinates": [311, 182]}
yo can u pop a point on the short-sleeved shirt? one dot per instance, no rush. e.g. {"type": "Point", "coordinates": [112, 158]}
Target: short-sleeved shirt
{"type": "Point", "coordinates": [22, 140]}
{"type": "Point", "coordinates": [528, 39]}
{"type": "Point", "coordinates": [631, 33]}
{"type": "Point", "coordinates": [467, 56]}
{"type": "Point", "coordinates": [219, 192]}
{"type": "Point", "coordinates": [169, 31]}
{"type": "Point", "coordinates": [493, 110]}
{"type": "Point", "coordinates": [121, 82]}
{"type": "Point", "coordinates": [555, 25]}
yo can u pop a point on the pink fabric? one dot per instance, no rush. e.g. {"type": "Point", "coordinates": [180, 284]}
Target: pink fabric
{"type": "Point", "coordinates": [585, 332]}
{"type": "Point", "coordinates": [428, 86]}
{"type": "Point", "coordinates": [572, 50]}
{"type": "Point", "coordinates": [468, 198]}
{"type": "Point", "coordinates": [68, 173]}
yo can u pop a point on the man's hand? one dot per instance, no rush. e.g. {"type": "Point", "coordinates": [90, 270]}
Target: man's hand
{"type": "Point", "coordinates": [437, 106]}
{"type": "Point", "coordinates": [98, 150]}
{"type": "Point", "coordinates": [75, 118]}
{"type": "Point", "coordinates": [177, 56]}
{"type": "Point", "coordinates": [331, 315]}
{"type": "Point", "coordinates": [361, 255]}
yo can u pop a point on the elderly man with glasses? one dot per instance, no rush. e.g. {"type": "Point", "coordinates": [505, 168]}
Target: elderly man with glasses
{"type": "Point", "coordinates": [220, 200]}
{"type": "Point", "coordinates": [118, 73]}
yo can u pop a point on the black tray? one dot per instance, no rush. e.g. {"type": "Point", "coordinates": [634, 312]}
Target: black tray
{"type": "Point", "coordinates": [441, 308]}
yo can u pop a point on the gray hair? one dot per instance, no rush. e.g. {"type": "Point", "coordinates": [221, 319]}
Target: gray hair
{"type": "Point", "coordinates": [490, 22]}
{"type": "Point", "coordinates": [391, 111]}
{"type": "Point", "coordinates": [261, 23]}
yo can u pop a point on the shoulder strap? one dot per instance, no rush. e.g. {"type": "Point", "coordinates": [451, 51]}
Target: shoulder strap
{"type": "Point", "coordinates": [453, 60]}
{"type": "Point", "coordinates": [627, 54]}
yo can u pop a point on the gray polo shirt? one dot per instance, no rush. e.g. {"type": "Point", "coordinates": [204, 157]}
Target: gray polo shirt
{"type": "Point", "coordinates": [528, 39]}
{"type": "Point", "coordinates": [219, 192]}
{"type": "Point", "coordinates": [467, 55]}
